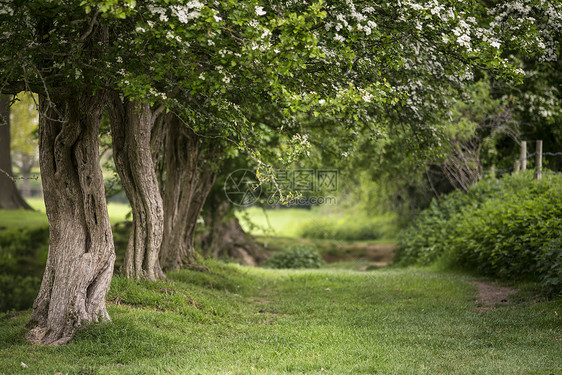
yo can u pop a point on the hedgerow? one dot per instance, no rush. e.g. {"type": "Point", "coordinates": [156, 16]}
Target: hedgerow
{"type": "Point", "coordinates": [509, 228]}
{"type": "Point", "coordinates": [23, 253]}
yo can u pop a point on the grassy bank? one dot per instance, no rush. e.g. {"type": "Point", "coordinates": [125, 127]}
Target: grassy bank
{"type": "Point", "coordinates": [238, 320]}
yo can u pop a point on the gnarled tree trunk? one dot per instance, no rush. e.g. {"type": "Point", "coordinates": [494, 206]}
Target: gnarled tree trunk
{"type": "Point", "coordinates": [131, 127]}
{"type": "Point", "coordinates": [190, 174]}
{"type": "Point", "coordinates": [81, 252]}
{"type": "Point", "coordinates": [226, 237]}
{"type": "Point", "coordinates": [10, 199]}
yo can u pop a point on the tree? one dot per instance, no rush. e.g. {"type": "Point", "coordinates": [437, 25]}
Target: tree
{"type": "Point", "coordinates": [190, 165]}
{"type": "Point", "coordinates": [224, 237]}
{"type": "Point", "coordinates": [482, 126]}
{"type": "Point", "coordinates": [48, 49]}
{"type": "Point", "coordinates": [10, 199]}
{"type": "Point", "coordinates": [131, 127]}
{"type": "Point", "coordinates": [81, 253]}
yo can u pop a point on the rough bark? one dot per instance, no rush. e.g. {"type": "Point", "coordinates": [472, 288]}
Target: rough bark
{"type": "Point", "coordinates": [190, 174]}
{"type": "Point", "coordinates": [10, 199]}
{"type": "Point", "coordinates": [225, 236]}
{"type": "Point", "coordinates": [131, 126]}
{"type": "Point", "coordinates": [81, 252]}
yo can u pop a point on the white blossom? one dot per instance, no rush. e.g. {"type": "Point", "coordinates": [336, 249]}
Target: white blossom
{"type": "Point", "coordinates": [339, 38]}
{"type": "Point", "coordinates": [260, 11]}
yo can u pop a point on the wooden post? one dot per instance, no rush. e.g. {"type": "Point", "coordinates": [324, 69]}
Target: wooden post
{"type": "Point", "coordinates": [523, 155]}
{"type": "Point", "coordinates": [493, 173]}
{"type": "Point", "coordinates": [538, 164]}
{"type": "Point", "coordinates": [517, 167]}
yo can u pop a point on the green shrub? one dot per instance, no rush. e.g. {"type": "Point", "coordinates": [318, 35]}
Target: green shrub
{"type": "Point", "coordinates": [550, 265]}
{"type": "Point", "coordinates": [508, 229]}
{"type": "Point", "coordinates": [23, 253]}
{"type": "Point", "coordinates": [296, 256]}
{"type": "Point", "coordinates": [18, 292]}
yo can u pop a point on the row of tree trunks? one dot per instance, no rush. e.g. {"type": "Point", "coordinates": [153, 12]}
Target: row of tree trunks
{"type": "Point", "coordinates": [10, 199]}
{"type": "Point", "coordinates": [131, 127]}
{"type": "Point", "coordinates": [81, 252]}
{"type": "Point", "coordinates": [189, 176]}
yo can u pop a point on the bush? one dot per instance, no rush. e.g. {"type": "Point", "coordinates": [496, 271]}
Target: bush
{"type": "Point", "coordinates": [296, 256]}
{"type": "Point", "coordinates": [508, 229]}
{"type": "Point", "coordinates": [23, 254]}
{"type": "Point", "coordinates": [18, 292]}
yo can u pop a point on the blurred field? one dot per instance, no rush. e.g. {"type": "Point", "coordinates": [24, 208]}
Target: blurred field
{"type": "Point", "coordinates": [22, 218]}
{"type": "Point", "coordinates": [284, 222]}
{"type": "Point", "coordinates": [318, 223]}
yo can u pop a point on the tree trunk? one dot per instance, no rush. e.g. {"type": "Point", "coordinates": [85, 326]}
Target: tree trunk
{"type": "Point", "coordinates": [190, 174]}
{"type": "Point", "coordinates": [225, 236]}
{"type": "Point", "coordinates": [10, 199]}
{"type": "Point", "coordinates": [131, 126]}
{"type": "Point", "coordinates": [81, 253]}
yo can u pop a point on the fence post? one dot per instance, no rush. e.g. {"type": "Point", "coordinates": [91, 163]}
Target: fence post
{"type": "Point", "coordinates": [538, 164]}
{"type": "Point", "coordinates": [523, 155]}
{"type": "Point", "coordinates": [493, 173]}
{"type": "Point", "coordinates": [517, 166]}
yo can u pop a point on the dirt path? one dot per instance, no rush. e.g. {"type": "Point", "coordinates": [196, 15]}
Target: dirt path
{"type": "Point", "coordinates": [490, 295]}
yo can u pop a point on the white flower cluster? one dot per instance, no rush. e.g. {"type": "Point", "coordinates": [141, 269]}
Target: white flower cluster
{"type": "Point", "coordinates": [302, 141]}
{"type": "Point", "coordinates": [157, 94]}
{"type": "Point", "coordinates": [170, 35]}
{"type": "Point", "coordinates": [159, 11]}
{"type": "Point", "coordinates": [226, 76]}
{"type": "Point", "coordinates": [536, 24]}
{"type": "Point", "coordinates": [5, 9]}
{"type": "Point", "coordinates": [339, 38]}
{"type": "Point", "coordinates": [187, 12]}
{"type": "Point", "coordinates": [259, 11]}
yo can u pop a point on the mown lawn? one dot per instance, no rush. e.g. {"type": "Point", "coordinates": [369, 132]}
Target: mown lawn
{"type": "Point", "coordinates": [239, 320]}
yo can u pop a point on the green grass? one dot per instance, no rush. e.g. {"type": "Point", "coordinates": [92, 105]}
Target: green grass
{"type": "Point", "coordinates": [293, 222]}
{"type": "Point", "coordinates": [118, 211]}
{"type": "Point", "coordinates": [20, 219]}
{"type": "Point", "coordinates": [286, 222]}
{"type": "Point", "coordinates": [239, 320]}
{"type": "Point", "coordinates": [17, 219]}
{"type": "Point", "coordinates": [36, 203]}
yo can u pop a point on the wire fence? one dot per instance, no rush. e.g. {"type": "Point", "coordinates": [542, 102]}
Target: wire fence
{"type": "Point", "coordinates": [539, 170]}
